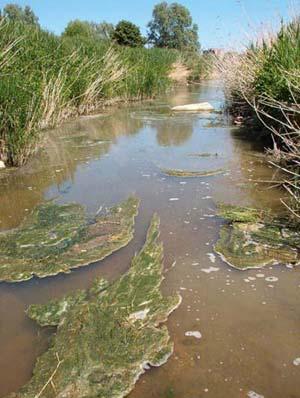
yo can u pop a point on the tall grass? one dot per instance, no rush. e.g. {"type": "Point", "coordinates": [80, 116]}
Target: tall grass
{"type": "Point", "coordinates": [200, 66]}
{"type": "Point", "coordinates": [46, 79]}
{"type": "Point", "coordinates": [263, 85]}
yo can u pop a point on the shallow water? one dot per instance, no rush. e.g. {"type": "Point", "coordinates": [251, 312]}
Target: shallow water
{"type": "Point", "coordinates": [249, 327]}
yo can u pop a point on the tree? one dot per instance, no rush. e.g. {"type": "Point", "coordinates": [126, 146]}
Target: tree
{"type": "Point", "coordinates": [15, 13]}
{"type": "Point", "coordinates": [78, 28]}
{"type": "Point", "coordinates": [128, 34]}
{"type": "Point", "coordinates": [172, 27]}
{"type": "Point", "coordinates": [104, 30]}
{"type": "Point", "coordinates": [101, 31]}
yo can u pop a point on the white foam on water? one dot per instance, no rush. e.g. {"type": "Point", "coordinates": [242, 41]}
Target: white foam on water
{"type": "Point", "coordinates": [296, 362]}
{"type": "Point", "coordinates": [210, 269]}
{"type": "Point", "coordinates": [211, 257]}
{"type": "Point", "coordinates": [260, 275]}
{"type": "Point", "coordinates": [271, 279]}
{"type": "Point", "coordinates": [195, 334]}
{"type": "Point", "coordinates": [253, 394]}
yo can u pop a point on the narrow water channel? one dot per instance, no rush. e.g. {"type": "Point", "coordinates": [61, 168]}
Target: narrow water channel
{"type": "Point", "coordinates": [249, 326]}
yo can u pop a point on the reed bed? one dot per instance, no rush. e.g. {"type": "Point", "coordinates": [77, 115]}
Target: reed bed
{"type": "Point", "coordinates": [263, 91]}
{"type": "Point", "coordinates": [46, 79]}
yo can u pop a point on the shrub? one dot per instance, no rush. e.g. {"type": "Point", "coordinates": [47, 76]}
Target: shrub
{"type": "Point", "coordinates": [128, 34]}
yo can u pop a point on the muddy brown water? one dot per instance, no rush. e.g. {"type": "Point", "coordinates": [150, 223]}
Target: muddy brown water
{"type": "Point", "coordinates": [250, 328]}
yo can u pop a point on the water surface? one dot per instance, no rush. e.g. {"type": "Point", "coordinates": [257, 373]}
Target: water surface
{"type": "Point", "coordinates": [250, 330]}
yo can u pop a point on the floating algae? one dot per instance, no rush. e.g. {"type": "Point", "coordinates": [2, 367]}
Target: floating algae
{"type": "Point", "coordinates": [189, 173]}
{"type": "Point", "coordinates": [55, 239]}
{"type": "Point", "coordinates": [203, 155]}
{"type": "Point", "coordinates": [253, 239]}
{"type": "Point", "coordinates": [107, 336]}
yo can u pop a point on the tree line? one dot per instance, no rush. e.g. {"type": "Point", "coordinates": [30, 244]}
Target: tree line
{"type": "Point", "coordinates": [171, 27]}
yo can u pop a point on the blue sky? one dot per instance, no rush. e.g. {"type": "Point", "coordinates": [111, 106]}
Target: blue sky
{"type": "Point", "coordinates": [222, 23]}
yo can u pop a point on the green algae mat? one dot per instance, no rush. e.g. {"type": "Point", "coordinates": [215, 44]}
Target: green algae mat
{"type": "Point", "coordinates": [253, 239]}
{"type": "Point", "coordinates": [108, 335]}
{"type": "Point", "coordinates": [55, 239]}
{"type": "Point", "coordinates": [190, 173]}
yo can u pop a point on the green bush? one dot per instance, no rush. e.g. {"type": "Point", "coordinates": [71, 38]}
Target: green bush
{"type": "Point", "coordinates": [128, 34]}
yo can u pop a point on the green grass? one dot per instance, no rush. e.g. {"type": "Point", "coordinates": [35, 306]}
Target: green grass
{"type": "Point", "coordinates": [199, 65]}
{"type": "Point", "coordinates": [46, 79]}
{"type": "Point", "coordinates": [280, 65]}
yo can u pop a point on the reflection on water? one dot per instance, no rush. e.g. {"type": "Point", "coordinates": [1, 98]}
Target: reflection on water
{"type": "Point", "coordinates": [250, 330]}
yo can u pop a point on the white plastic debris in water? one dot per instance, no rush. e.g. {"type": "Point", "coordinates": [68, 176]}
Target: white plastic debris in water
{"type": "Point", "coordinates": [173, 199]}
{"type": "Point", "coordinates": [210, 269]}
{"type": "Point", "coordinates": [195, 334]}
{"type": "Point", "coordinates": [260, 275]}
{"type": "Point", "coordinates": [212, 257]}
{"type": "Point", "coordinates": [253, 394]}
{"type": "Point", "coordinates": [271, 279]}
{"type": "Point", "coordinates": [296, 362]}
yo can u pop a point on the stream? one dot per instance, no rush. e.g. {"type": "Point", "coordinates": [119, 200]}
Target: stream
{"type": "Point", "coordinates": [249, 326]}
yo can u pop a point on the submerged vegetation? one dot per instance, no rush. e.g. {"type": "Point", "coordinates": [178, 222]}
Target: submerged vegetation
{"type": "Point", "coordinates": [263, 86]}
{"type": "Point", "coordinates": [253, 239]}
{"type": "Point", "coordinates": [107, 336]}
{"type": "Point", "coordinates": [55, 239]}
{"type": "Point", "coordinates": [190, 173]}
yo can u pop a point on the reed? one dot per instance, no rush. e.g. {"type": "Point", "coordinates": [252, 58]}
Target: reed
{"type": "Point", "coordinates": [263, 90]}
{"type": "Point", "coordinates": [46, 79]}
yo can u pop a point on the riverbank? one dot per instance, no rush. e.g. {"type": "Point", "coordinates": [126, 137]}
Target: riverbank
{"type": "Point", "coordinates": [263, 92]}
{"type": "Point", "coordinates": [51, 79]}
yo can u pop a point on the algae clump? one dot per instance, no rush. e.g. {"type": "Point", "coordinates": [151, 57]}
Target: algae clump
{"type": "Point", "coordinates": [56, 238]}
{"type": "Point", "coordinates": [253, 239]}
{"type": "Point", "coordinates": [190, 173]}
{"type": "Point", "coordinates": [109, 335]}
